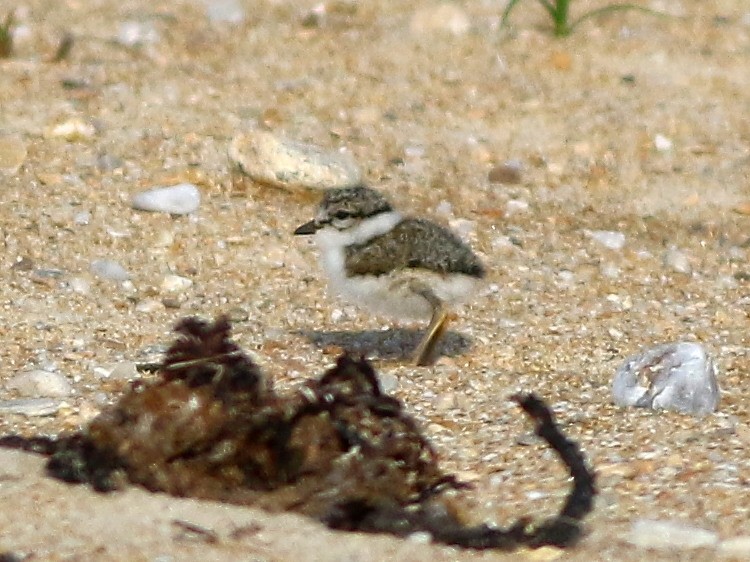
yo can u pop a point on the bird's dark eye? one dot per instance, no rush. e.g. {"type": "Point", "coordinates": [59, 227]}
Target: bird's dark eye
{"type": "Point", "coordinates": [341, 215]}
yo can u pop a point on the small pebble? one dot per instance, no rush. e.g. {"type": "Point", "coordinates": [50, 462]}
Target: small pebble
{"type": "Point", "coordinates": [669, 535]}
{"type": "Point", "coordinates": [736, 547]}
{"type": "Point", "coordinates": [420, 537]}
{"type": "Point", "coordinates": [12, 153]}
{"type": "Point", "coordinates": [515, 206]}
{"type": "Point", "coordinates": [674, 376]}
{"type": "Point", "coordinates": [72, 130]}
{"type": "Point", "coordinates": [224, 11]}
{"type": "Point", "coordinates": [30, 406]}
{"type": "Point", "coordinates": [175, 284]}
{"type": "Point", "coordinates": [109, 269]}
{"type": "Point", "coordinates": [662, 143]}
{"type": "Point", "coordinates": [677, 261]}
{"type": "Point", "coordinates": [79, 285]}
{"type": "Point", "coordinates": [149, 305]}
{"type": "Point", "coordinates": [134, 33]}
{"type": "Point", "coordinates": [40, 383]}
{"type": "Point", "coordinates": [273, 160]}
{"type": "Point", "coordinates": [180, 199]}
{"type": "Point", "coordinates": [446, 17]}
{"type": "Point", "coordinates": [82, 219]}
{"type": "Point", "coordinates": [124, 370]}
{"type": "Point", "coordinates": [508, 172]}
{"type": "Point", "coordinates": [608, 238]}
{"type": "Point", "coordinates": [388, 382]}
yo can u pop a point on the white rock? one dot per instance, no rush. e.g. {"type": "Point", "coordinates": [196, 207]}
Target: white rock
{"type": "Point", "coordinates": [388, 382]}
{"type": "Point", "coordinates": [109, 269]}
{"type": "Point", "coordinates": [662, 143]}
{"type": "Point", "coordinates": [608, 238]}
{"type": "Point", "coordinates": [40, 383]}
{"type": "Point", "coordinates": [678, 261]}
{"type": "Point", "coordinates": [82, 219]}
{"type": "Point", "coordinates": [79, 285]}
{"type": "Point", "coordinates": [148, 306]}
{"type": "Point", "coordinates": [674, 376]}
{"type": "Point", "coordinates": [72, 130]}
{"type": "Point", "coordinates": [273, 160]}
{"type": "Point", "coordinates": [180, 199]}
{"type": "Point", "coordinates": [134, 33]}
{"type": "Point", "coordinates": [175, 284]}
{"type": "Point", "coordinates": [515, 206]}
{"type": "Point", "coordinates": [447, 17]}
{"type": "Point", "coordinates": [30, 406]}
{"type": "Point", "coordinates": [224, 11]}
{"type": "Point", "coordinates": [124, 370]}
{"type": "Point", "coordinates": [669, 535]}
{"type": "Point", "coordinates": [736, 547]}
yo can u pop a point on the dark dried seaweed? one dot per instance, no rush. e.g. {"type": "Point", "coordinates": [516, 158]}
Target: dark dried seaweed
{"type": "Point", "coordinates": [339, 450]}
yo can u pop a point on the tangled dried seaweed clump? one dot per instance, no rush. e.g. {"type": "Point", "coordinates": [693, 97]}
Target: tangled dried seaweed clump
{"type": "Point", "coordinates": [338, 450]}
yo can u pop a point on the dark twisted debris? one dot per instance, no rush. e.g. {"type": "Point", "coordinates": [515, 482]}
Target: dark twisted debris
{"type": "Point", "coordinates": [339, 450]}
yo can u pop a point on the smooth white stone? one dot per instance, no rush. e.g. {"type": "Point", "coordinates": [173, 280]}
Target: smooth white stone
{"type": "Point", "coordinates": [180, 199]}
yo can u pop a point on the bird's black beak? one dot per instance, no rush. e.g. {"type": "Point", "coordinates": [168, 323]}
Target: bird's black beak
{"type": "Point", "coordinates": [307, 228]}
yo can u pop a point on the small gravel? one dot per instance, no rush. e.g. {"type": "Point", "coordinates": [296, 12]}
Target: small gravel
{"type": "Point", "coordinates": [180, 199]}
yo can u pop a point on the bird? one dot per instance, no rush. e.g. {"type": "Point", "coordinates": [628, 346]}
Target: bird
{"type": "Point", "coordinates": [395, 265]}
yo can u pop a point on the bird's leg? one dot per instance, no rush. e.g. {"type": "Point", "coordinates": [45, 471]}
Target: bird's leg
{"type": "Point", "coordinates": [425, 351]}
{"type": "Point", "coordinates": [424, 354]}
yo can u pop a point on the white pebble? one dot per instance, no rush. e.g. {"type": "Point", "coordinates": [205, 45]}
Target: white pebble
{"type": "Point", "coordinates": [137, 33]}
{"type": "Point", "coordinates": [515, 206]}
{"type": "Point", "coordinates": [175, 284]}
{"type": "Point", "coordinates": [180, 199]}
{"type": "Point", "coordinates": [443, 18]}
{"type": "Point", "coordinates": [148, 306]}
{"type": "Point", "coordinates": [72, 130]}
{"type": "Point", "coordinates": [736, 547]}
{"type": "Point", "coordinates": [30, 406]}
{"type": "Point", "coordinates": [420, 537]}
{"type": "Point", "coordinates": [662, 143]}
{"type": "Point", "coordinates": [82, 219]}
{"type": "Point", "coordinates": [674, 376]}
{"type": "Point", "coordinates": [124, 370]}
{"type": "Point", "coordinates": [669, 535]}
{"type": "Point", "coordinates": [444, 208]}
{"type": "Point", "coordinates": [225, 11]}
{"type": "Point", "coordinates": [608, 238]}
{"type": "Point", "coordinates": [465, 228]}
{"type": "Point", "coordinates": [388, 382]}
{"type": "Point", "coordinates": [273, 160]}
{"type": "Point", "coordinates": [40, 383]}
{"type": "Point", "coordinates": [677, 261]}
{"type": "Point", "coordinates": [79, 285]}
{"type": "Point", "coordinates": [109, 269]}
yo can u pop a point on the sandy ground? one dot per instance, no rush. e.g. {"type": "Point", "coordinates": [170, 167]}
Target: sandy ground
{"type": "Point", "coordinates": [635, 124]}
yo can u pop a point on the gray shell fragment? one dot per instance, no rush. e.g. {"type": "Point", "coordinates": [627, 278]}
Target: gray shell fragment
{"type": "Point", "coordinates": [675, 376]}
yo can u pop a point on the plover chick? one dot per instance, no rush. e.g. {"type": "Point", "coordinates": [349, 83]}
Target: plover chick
{"type": "Point", "coordinates": [409, 268]}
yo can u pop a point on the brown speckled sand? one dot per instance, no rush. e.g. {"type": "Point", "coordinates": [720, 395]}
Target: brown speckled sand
{"type": "Point", "coordinates": [427, 115]}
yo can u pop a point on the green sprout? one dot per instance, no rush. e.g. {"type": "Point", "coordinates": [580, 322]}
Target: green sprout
{"type": "Point", "coordinates": [6, 36]}
{"type": "Point", "coordinates": [559, 11]}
